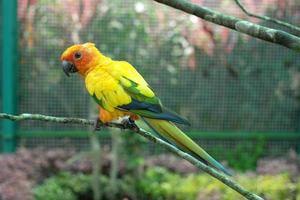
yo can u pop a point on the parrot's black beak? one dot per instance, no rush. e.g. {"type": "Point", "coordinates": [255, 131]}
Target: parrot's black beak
{"type": "Point", "coordinates": [68, 67]}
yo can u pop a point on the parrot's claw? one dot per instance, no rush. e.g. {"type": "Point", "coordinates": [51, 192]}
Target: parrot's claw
{"type": "Point", "coordinates": [129, 124]}
{"type": "Point", "coordinates": [97, 125]}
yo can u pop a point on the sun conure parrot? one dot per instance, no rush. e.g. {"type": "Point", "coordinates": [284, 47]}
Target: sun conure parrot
{"type": "Point", "coordinates": [121, 91]}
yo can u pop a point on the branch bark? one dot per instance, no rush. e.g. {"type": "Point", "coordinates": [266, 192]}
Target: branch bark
{"type": "Point", "coordinates": [218, 175]}
{"type": "Point", "coordinates": [266, 18]}
{"type": "Point", "coordinates": [258, 31]}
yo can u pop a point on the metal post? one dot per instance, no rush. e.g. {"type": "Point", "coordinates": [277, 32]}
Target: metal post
{"type": "Point", "coordinates": [9, 57]}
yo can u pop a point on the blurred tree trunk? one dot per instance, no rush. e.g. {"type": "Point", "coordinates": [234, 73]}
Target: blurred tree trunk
{"type": "Point", "coordinates": [116, 146]}
{"type": "Point", "coordinates": [96, 154]}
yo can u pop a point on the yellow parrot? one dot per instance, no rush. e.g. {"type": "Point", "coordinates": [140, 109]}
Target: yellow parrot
{"type": "Point", "coordinates": [121, 91]}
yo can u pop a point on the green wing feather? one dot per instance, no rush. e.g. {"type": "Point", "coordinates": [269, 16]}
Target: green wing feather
{"type": "Point", "coordinates": [149, 106]}
{"type": "Point", "coordinates": [135, 91]}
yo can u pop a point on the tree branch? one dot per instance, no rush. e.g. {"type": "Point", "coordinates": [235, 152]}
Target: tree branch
{"type": "Point", "coordinates": [258, 31]}
{"type": "Point", "coordinates": [218, 175]}
{"type": "Point", "coordinates": [266, 18]}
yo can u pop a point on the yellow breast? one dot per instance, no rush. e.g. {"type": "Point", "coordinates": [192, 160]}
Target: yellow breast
{"type": "Point", "coordinates": [106, 89]}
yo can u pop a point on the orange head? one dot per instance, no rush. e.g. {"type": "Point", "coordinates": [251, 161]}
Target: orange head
{"type": "Point", "coordinates": [80, 58]}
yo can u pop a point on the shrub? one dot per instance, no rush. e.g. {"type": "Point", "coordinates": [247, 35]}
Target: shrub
{"type": "Point", "coordinates": [160, 184]}
{"type": "Point", "coordinates": [68, 186]}
{"type": "Point", "coordinates": [65, 186]}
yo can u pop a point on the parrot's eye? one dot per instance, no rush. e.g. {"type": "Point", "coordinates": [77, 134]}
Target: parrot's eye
{"type": "Point", "coordinates": [77, 55]}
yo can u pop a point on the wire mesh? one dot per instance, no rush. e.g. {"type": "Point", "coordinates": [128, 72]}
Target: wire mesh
{"type": "Point", "coordinates": [80, 144]}
{"type": "Point", "coordinates": [220, 80]}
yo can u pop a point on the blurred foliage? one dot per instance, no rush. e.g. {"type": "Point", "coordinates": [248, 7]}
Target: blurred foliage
{"type": "Point", "coordinates": [67, 186]}
{"type": "Point", "coordinates": [158, 183]}
{"type": "Point", "coordinates": [64, 187]}
{"type": "Point", "coordinates": [161, 184]}
{"type": "Point", "coordinates": [133, 151]}
{"type": "Point", "coordinates": [243, 156]}
{"type": "Point", "coordinates": [55, 176]}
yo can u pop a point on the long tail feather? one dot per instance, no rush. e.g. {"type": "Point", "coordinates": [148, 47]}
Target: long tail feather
{"type": "Point", "coordinates": [173, 134]}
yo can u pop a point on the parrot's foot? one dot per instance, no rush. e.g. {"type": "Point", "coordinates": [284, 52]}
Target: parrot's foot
{"type": "Point", "coordinates": [129, 123]}
{"type": "Point", "coordinates": [97, 125]}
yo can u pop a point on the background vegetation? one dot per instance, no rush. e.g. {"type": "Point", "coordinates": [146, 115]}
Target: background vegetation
{"type": "Point", "coordinates": [221, 81]}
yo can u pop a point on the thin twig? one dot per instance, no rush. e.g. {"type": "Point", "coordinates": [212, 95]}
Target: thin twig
{"type": "Point", "coordinates": [243, 26]}
{"type": "Point", "coordinates": [266, 18]}
{"type": "Point", "coordinates": [218, 175]}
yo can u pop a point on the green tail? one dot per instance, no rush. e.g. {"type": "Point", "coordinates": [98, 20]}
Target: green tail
{"type": "Point", "coordinates": [173, 134]}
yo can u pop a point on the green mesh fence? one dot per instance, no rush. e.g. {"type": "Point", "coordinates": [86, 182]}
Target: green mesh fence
{"type": "Point", "coordinates": [1, 60]}
{"type": "Point", "coordinates": [218, 79]}
{"type": "Point", "coordinates": [1, 108]}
